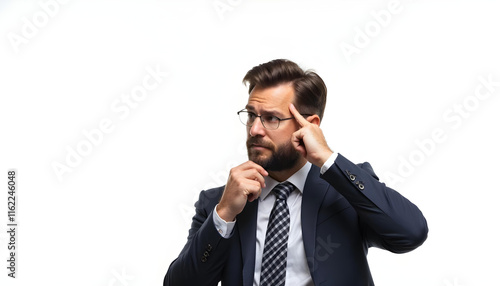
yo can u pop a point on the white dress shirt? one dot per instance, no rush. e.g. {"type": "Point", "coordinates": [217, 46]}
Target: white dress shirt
{"type": "Point", "coordinates": [297, 270]}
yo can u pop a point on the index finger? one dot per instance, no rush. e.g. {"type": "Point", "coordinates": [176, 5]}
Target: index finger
{"type": "Point", "coordinates": [252, 165]}
{"type": "Point", "coordinates": [300, 119]}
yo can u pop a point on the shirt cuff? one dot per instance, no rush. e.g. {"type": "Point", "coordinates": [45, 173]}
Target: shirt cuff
{"type": "Point", "coordinates": [328, 163]}
{"type": "Point", "coordinates": [224, 228]}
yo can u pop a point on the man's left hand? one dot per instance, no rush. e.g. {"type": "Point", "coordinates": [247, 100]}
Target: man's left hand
{"type": "Point", "coordinates": [309, 139]}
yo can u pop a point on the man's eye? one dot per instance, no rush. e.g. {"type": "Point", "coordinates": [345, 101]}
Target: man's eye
{"type": "Point", "coordinates": [271, 118]}
{"type": "Point", "coordinates": [251, 116]}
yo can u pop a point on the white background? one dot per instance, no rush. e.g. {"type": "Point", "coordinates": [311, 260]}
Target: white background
{"type": "Point", "coordinates": [124, 209]}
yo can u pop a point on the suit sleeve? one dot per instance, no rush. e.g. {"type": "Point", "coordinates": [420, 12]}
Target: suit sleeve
{"type": "Point", "coordinates": [387, 219]}
{"type": "Point", "coordinates": [202, 259]}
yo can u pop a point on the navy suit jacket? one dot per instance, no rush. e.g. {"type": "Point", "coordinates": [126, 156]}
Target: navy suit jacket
{"type": "Point", "coordinates": [344, 212]}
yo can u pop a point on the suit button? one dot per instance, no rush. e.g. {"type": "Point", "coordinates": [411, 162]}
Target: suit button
{"type": "Point", "coordinates": [203, 259]}
{"type": "Point", "coordinates": [352, 177]}
{"type": "Point", "coordinates": [206, 254]}
{"type": "Point", "coordinates": [209, 247]}
{"type": "Point", "coordinates": [360, 185]}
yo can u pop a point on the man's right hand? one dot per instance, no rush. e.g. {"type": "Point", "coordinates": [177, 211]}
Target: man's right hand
{"type": "Point", "coordinates": [244, 184]}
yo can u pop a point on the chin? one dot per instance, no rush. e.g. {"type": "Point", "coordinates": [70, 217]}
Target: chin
{"type": "Point", "coordinates": [258, 158]}
{"type": "Point", "coordinates": [258, 155]}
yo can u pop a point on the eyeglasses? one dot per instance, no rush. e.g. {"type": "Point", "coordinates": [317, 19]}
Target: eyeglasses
{"type": "Point", "coordinates": [270, 122]}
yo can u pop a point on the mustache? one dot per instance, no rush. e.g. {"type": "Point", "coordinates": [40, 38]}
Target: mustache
{"type": "Point", "coordinates": [260, 142]}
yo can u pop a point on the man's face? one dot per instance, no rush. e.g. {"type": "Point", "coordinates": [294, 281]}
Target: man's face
{"type": "Point", "coordinates": [272, 149]}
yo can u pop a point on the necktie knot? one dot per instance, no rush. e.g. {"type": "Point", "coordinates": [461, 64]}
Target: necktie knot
{"type": "Point", "coordinates": [283, 190]}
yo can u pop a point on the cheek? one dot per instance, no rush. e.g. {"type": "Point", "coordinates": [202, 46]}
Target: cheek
{"type": "Point", "coordinates": [291, 128]}
{"type": "Point", "coordinates": [294, 127]}
{"type": "Point", "coordinates": [282, 138]}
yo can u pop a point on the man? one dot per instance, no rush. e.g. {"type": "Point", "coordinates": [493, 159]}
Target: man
{"type": "Point", "coordinates": [296, 213]}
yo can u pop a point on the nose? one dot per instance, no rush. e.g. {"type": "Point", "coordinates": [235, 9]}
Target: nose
{"type": "Point", "coordinates": [257, 128]}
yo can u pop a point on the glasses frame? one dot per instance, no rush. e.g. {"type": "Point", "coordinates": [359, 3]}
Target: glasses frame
{"type": "Point", "coordinates": [262, 121]}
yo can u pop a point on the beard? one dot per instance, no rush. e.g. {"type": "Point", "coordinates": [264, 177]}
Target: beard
{"type": "Point", "coordinates": [283, 157]}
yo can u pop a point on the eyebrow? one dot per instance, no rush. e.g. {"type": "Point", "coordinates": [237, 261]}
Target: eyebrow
{"type": "Point", "coordinates": [266, 112]}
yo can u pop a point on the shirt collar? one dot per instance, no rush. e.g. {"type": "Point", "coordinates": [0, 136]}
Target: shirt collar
{"type": "Point", "coordinates": [298, 179]}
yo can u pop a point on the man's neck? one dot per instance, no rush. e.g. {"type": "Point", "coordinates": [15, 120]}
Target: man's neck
{"type": "Point", "coordinates": [281, 176]}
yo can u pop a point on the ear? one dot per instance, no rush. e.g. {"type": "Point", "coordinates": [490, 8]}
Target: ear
{"type": "Point", "coordinates": [314, 119]}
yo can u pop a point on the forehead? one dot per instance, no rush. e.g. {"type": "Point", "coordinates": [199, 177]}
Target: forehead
{"type": "Point", "coordinates": [276, 98]}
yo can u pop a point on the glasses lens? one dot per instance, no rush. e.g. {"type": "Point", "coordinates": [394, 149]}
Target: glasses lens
{"type": "Point", "coordinates": [270, 122]}
{"type": "Point", "coordinates": [246, 117]}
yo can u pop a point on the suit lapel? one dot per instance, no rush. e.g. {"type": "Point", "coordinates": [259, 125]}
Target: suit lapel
{"type": "Point", "coordinates": [314, 192]}
{"type": "Point", "coordinates": [247, 227]}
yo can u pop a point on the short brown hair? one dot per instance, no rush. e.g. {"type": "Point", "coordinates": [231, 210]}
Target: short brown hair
{"type": "Point", "coordinates": [310, 90]}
